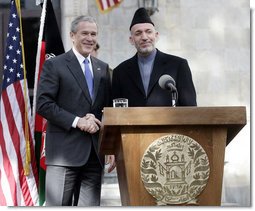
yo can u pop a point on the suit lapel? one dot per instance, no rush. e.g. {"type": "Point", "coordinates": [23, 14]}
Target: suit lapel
{"type": "Point", "coordinates": [134, 74]}
{"type": "Point", "coordinates": [75, 68]}
{"type": "Point", "coordinates": [157, 71]}
{"type": "Point", "coordinates": [97, 77]}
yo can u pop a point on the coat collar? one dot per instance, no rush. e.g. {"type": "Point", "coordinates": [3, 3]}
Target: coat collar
{"type": "Point", "coordinates": [157, 71]}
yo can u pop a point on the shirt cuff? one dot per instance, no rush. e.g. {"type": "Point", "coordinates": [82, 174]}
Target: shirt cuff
{"type": "Point", "coordinates": [75, 122]}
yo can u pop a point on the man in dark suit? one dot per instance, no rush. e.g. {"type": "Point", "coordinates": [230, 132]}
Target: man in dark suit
{"type": "Point", "coordinates": [137, 78]}
{"type": "Point", "coordinates": [73, 90]}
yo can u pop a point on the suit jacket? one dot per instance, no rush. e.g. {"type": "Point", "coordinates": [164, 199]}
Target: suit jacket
{"type": "Point", "coordinates": [127, 82]}
{"type": "Point", "coordinates": [61, 96]}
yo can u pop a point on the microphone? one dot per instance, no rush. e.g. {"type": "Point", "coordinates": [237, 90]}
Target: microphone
{"type": "Point", "coordinates": [167, 82]}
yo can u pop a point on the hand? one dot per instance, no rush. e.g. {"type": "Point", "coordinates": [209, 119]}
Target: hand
{"type": "Point", "coordinates": [110, 159]}
{"type": "Point", "coordinates": [92, 117]}
{"type": "Point", "coordinates": [89, 123]}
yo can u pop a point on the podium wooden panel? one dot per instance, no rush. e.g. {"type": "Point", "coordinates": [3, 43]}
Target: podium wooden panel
{"type": "Point", "coordinates": [127, 132]}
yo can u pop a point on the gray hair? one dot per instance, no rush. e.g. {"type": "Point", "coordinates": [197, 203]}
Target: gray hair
{"type": "Point", "coordinates": [79, 19]}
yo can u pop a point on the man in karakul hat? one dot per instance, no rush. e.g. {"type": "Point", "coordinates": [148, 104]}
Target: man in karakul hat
{"type": "Point", "coordinates": [137, 78]}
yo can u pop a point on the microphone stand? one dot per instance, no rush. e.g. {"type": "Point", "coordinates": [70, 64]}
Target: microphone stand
{"type": "Point", "coordinates": [174, 97]}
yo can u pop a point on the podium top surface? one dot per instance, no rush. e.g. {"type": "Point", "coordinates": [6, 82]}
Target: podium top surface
{"type": "Point", "coordinates": [174, 116]}
{"type": "Point", "coordinates": [232, 117]}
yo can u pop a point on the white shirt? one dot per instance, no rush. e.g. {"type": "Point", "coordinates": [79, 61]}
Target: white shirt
{"type": "Point", "coordinates": [81, 60]}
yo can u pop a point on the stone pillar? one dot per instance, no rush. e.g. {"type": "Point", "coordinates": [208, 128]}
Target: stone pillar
{"type": "Point", "coordinates": [70, 10]}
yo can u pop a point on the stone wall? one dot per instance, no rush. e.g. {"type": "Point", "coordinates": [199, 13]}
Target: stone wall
{"type": "Point", "coordinates": [213, 35]}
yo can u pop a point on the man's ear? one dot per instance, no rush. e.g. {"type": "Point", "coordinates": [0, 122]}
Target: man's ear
{"type": "Point", "coordinates": [131, 40]}
{"type": "Point", "coordinates": [71, 36]}
{"type": "Point", "coordinates": [157, 36]}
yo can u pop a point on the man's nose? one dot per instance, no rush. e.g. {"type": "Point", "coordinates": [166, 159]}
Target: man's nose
{"type": "Point", "coordinates": [144, 35]}
{"type": "Point", "coordinates": [89, 37]}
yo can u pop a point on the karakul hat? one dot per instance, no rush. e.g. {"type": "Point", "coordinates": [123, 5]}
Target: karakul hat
{"type": "Point", "coordinates": [141, 16]}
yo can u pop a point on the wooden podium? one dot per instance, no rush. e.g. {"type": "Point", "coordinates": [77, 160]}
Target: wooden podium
{"type": "Point", "coordinates": [127, 133]}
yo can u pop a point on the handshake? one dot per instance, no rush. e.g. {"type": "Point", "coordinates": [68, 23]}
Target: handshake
{"type": "Point", "coordinates": [89, 123]}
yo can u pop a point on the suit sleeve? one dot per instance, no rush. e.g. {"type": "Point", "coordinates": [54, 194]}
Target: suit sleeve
{"type": "Point", "coordinates": [185, 86]}
{"type": "Point", "coordinates": [108, 87]}
{"type": "Point", "coordinates": [116, 88]}
{"type": "Point", "coordinates": [47, 92]}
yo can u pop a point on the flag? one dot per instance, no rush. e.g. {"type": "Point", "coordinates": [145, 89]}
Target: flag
{"type": "Point", "coordinates": [49, 45]}
{"type": "Point", "coordinates": [18, 173]}
{"type": "Point", "coordinates": [107, 5]}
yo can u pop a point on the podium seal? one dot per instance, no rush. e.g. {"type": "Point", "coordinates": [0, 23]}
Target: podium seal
{"type": "Point", "coordinates": [175, 169]}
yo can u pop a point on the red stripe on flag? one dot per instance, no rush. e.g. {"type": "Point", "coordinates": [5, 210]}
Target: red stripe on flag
{"type": "Point", "coordinates": [2, 197]}
{"type": "Point", "coordinates": [20, 99]}
{"type": "Point", "coordinates": [15, 136]}
{"type": "Point", "coordinates": [15, 113]}
{"type": "Point", "coordinates": [100, 5]}
{"type": "Point", "coordinates": [21, 105]}
{"type": "Point", "coordinates": [8, 169]}
{"type": "Point", "coordinates": [39, 118]}
{"type": "Point", "coordinates": [42, 150]}
{"type": "Point", "coordinates": [108, 3]}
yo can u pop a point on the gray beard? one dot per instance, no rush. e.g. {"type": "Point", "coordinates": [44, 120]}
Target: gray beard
{"type": "Point", "coordinates": [146, 51]}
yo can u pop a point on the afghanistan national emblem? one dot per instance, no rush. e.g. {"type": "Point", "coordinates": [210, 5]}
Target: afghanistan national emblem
{"type": "Point", "coordinates": [175, 169]}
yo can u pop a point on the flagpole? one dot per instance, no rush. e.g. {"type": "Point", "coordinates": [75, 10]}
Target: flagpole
{"type": "Point", "coordinates": [28, 153]}
{"type": "Point", "coordinates": [49, 42]}
{"type": "Point", "coordinates": [38, 57]}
